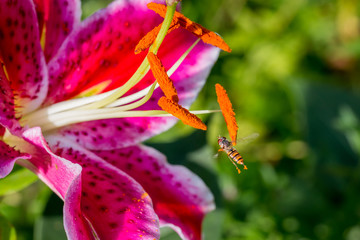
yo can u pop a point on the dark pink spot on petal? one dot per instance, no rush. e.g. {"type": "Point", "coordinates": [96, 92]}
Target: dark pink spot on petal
{"type": "Point", "coordinates": [180, 198]}
{"type": "Point", "coordinates": [62, 17]}
{"type": "Point", "coordinates": [121, 200]}
{"type": "Point", "coordinates": [30, 82]}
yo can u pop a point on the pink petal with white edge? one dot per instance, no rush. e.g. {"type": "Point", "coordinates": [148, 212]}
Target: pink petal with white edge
{"type": "Point", "coordinates": [60, 18]}
{"type": "Point", "coordinates": [22, 54]}
{"type": "Point", "coordinates": [181, 199]}
{"type": "Point", "coordinates": [114, 203]}
{"type": "Point", "coordinates": [7, 106]}
{"type": "Point", "coordinates": [188, 79]}
{"type": "Point", "coordinates": [76, 226]}
{"type": "Point", "coordinates": [62, 176]}
{"type": "Point", "coordinates": [8, 157]}
{"type": "Point", "coordinates": [58, 173]}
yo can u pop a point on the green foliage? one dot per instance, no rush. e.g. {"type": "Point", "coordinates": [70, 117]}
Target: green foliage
{"type": "Point", "coordinates": [17, 181]}
{"type": "Point", "coordinates": [7, 231]}
{"type": "Point", "coordinates": [49, 227]}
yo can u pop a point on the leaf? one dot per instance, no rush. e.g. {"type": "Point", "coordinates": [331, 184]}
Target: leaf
{"type": "Point", "coordinates": [213, 225]}
{"type": "Point", "coordinates": [50, 227]}
{"type": "Point", "coordinates": [168, 234]}
{"type": "Point", "coordinates": [326, 110]}
{"type": "Point", "coordinates": [7, 231]}
{"type": "Point", "coordinates": [17, 181]}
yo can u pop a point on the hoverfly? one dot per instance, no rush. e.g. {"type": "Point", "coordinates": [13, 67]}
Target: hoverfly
{"type": "Point", "coordinates": [234, 156]}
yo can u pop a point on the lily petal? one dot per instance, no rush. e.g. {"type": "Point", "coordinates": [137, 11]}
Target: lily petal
{"type": "Point", "coordinates": [63, 177]}
{"type": "Point", "coordinates": [188, 80]}
{"type": "Point", "coordinates": [7, 106]}
{"type": "Point", "coordinates": [76, 226]}
{"type": "Point", "coordinates": [58, 173]}
{"type": "Point", "coordinates": [101, 49]}
{"type": "Point", "coordinates": [8, 156]}
{"type": "Point", "coordinates": [181, 199]}
{"type": "Point", "coordinates": [21, 53]}
{"type": "Point", "coordinates": [60, 18]}
{"type": "Point", "coordinates": [114, 203]}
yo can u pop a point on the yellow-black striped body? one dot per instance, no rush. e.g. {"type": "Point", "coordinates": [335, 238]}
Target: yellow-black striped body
{"type": "Point", "coordinates": [234, 155]}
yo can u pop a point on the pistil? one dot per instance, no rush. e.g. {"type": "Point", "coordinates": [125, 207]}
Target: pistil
{"type": "Point", "coordinates": [112, 104]}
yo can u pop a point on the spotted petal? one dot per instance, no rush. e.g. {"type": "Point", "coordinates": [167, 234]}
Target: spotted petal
{"type": "Point", "coordinates": [181, 199]}
{"type": "Point", "coordinates": [8, 157]}
{"type": "Point", "coordinates": [58, 173]}
{"type": "Point", "coordinates": [114, 203]}
{"type": "Point", "coordinates": [21, 53]}
{"type": "Point", "coordinates": [100, 50]}
{"type": "Point", "coordinates": [7, 106]}
{"type": "Point", "coordinates": [59, 18]}
{"type": "Point", "coordinates": [117, 133]}
{"type": "Point", "coordinates": [76, 226]}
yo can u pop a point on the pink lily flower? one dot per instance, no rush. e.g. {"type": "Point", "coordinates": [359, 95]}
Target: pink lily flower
{"type": "Point", "coordinates": [74, 110]}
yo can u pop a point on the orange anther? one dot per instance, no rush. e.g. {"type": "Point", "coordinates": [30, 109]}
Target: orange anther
{"type": "Point", "coordinates": [206, 35]}
{"type": "Point", "coordinates": [150, 37]}
{"type": "Point", "coordinates": [158, 8]}
{"type": "Point", "coordinates": [227, 111]}
{"type": "Point", "coordinates": [182, 113]}
{"type": "Point", "coordinates": [159, 72]}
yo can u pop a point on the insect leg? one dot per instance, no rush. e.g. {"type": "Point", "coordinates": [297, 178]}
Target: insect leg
{"type": "Point", "coordinates": [237, 168]}
{"type": "Point", "coordinates": [239, 160]}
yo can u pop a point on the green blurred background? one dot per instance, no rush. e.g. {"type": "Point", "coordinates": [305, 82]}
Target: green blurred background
{"type": "Point", "coordinates": [293, 77]}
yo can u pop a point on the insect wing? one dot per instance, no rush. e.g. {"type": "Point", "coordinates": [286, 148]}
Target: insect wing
{"type": "Point", "coordinates": [247, 139]}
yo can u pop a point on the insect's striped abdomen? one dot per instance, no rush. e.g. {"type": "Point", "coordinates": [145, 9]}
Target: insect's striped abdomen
{"type": "Point", "coordinates": [234, 155]}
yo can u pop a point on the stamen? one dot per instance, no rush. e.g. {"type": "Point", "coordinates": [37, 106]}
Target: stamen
{"type": "Point", "coordinates": [168, 19]}
{"type": "Point", "coordinates": [135, 96]}
{"type": "Point", "coordinates": [98, 107]}
{"type": "Point", "coordinates": [171, 2]}
{"type": "Point", "coordinates": [70, 105]}
{"type": "Point", "coordinates": [150, 37]}
{"type": "Point", "coordinates": [139, 102]}
{"type": "Point", "coordinates": [227, 111]}
{"type": "Point", "coordinates": [144, 66]}
{"type": "Point", "coordinates": [206, 35]}
{"type": "Point", "coordinates": [182, 113]}
{"type": "Point", "coordinates": [94, 90]}
{"type": "Point", "coordinates": [159, 72]}
{"type": "Point", "coordinates": [72, 117]}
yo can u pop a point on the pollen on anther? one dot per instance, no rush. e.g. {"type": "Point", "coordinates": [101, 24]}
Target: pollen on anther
{"type": "Point", "coordinates": [150, 37]}
{"type": "Point", "coordinates": [179, 19]}
{"type": "Point", "coordinates": [183, 114]}
{"type": "Point", "coordinates": [159, 72]}
{"type": "Point", "coordinates": [227, 111]}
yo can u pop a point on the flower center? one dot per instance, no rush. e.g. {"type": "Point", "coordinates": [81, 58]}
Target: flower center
{"type": "Point", "coordinates": [111, 104]}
